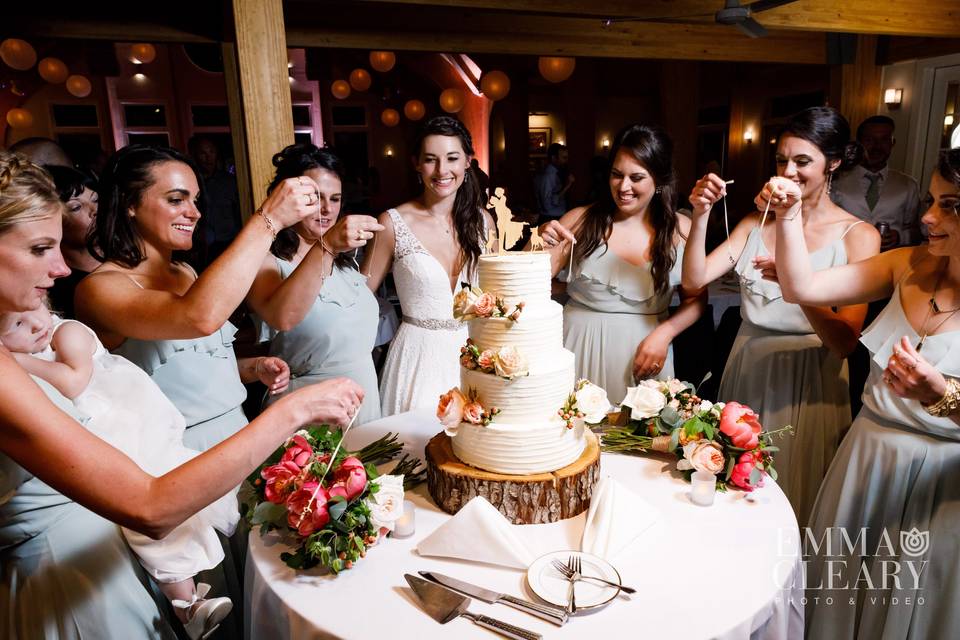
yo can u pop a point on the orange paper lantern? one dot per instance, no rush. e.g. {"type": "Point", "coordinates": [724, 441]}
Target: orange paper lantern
{"type": "Point", "coordinates": [19, 118]}
{"type": "Point", "coordinates": [414, 109]}
{"type": "Point", "coordinates": [452, 100]}
{"type": "Point", "coordinates": [495, 85]}
{"type": "Point", "coordinates": [556, 69]}
{"type": "Point", "coordinates": [18, 54]}
{"type": "Point", "coordinates": [382, 61]}
{"type": "Point", "coordinates": [79, 86]}
{"type": "Point", "coordinates": [340, 89]}
{"type": "Point", "coordinates": [144, 52]}
{"type": "Point", "coordinates": [390, 117]}
{"type": "Point", "coordinates": [53, 70]}
{"type": "Point", "coordinates": [360, 79]}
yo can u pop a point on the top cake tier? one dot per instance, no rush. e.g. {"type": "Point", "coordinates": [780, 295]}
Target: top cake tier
{"type": "Point", "coordinates": [517, 276]}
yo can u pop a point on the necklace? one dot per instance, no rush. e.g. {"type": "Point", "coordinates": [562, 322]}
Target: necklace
{"type": "Point", "coordinates": [935, 308]}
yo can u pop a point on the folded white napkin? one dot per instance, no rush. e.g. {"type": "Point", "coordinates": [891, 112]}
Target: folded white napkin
{"type": "Point", "coordinates": [617, 517]}
{"type": "Point", "coordinates": [481, 534]}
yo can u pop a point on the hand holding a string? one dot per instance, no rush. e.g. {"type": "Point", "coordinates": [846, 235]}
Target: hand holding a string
{"type": "Point", "coordinates": [291, 201]}
{"type": "Point", "coordinates": [708, 190]}
{"type": "Point", "coordinates": [909, 375]}
{"type": "Point", "coordinates": [351, 232]}
{"type": "Point", "coordinates": [780, 195]}
{"type": "Point", "coordinates": [333, 401]}
{"type": "Point", "coordinates": [554, 234]}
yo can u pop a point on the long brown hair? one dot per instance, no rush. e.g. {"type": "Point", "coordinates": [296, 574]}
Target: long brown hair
{"type": "Point", "coordinates": [652, 147]}
{"type": "Point", "coordinates": [469, 203]}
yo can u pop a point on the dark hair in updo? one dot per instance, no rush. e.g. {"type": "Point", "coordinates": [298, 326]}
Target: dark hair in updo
{"type": "Point", "coordinates": [651, 147]}
{"type": "Point", "coordinates": [469, 204]}
{"type": "Point", "coordinates": [294, 161]}
{"type": "Point", "coordinates": [114, 236]}
{"type": "Point", "coordinates": [828, 131]}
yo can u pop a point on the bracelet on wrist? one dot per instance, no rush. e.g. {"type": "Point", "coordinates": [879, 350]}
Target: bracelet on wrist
{"type": "Point", "coordinates": [267, 221]}
{"type": "Point", "coordinates": [949, 404]}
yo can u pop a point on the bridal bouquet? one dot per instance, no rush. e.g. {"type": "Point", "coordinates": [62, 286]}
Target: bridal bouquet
{"type": "Point", "coordinates": [725, 439]}
{"type": "Point", "coordinates": [330, 502]}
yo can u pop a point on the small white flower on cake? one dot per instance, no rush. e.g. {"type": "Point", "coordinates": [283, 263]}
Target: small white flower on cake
{"type": "Point", "coordinates": [593, 402]}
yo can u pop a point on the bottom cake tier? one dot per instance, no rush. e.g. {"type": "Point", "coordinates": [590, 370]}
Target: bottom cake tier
{"type": "Point", "coordinates": [522, 499]}
{"type": "Point", "coordinates": [519, 449]}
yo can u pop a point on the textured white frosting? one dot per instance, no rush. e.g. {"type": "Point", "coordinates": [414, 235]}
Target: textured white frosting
{"type": "Point", "coordinates": [533, 398]}
{"type": "Point", "coordinates": [527, 436]}
{"type": "Point", "coordinates": [520, 449]}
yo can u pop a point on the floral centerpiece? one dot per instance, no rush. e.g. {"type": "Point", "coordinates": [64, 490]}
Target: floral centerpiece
{"type": "Point", "coordinates": [725, 439]}
{"type": "Point", "coordinates": [331, 503]}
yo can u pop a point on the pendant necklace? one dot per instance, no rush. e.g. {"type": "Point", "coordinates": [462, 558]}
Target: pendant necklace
{"type": "Point", "coordinates": [935, 308]}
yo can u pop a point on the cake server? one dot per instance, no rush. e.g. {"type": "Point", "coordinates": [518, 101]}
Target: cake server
{"type": "Point", "coordinates": [444, 605]}
{"type": "Point", "coordinates": [551, 614]}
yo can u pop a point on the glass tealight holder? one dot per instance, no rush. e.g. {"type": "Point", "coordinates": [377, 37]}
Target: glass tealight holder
{"type": "Point", "coordinates": [703, 488]}
{"type": "Point", "coordinates": [406, 524]}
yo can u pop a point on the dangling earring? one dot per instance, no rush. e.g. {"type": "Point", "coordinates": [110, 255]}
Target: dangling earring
{"type": "Point", "coordinates": [658, 190]}
{"type": "Point", "coordinates": [419, 178]}
{"type": "Point", "coordinates": [829, 182]}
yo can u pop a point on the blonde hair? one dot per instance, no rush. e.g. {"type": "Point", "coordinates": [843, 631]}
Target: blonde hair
{"type": "Point", "coordinates": [27, 192]}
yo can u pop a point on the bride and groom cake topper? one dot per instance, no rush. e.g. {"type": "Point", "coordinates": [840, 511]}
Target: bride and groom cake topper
{"type": "Point", "coordinates": [511, 231]}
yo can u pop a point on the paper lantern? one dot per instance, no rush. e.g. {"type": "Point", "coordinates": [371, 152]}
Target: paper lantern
{"type": "Point", "coordinates": [143, 52]}
{"type": "Point", "coordinates": [556, 69]}
{"type": "Point", "coordinates": [451, 100]}
{"type": "Point", "coordinates": [360, 79]}
{"type": "Point", "coordinates": [79, 86]}
{"type": "Point", "coordinates": [414, 109]}
{"type": "Point", "coordinates": [390, 117]}
{"type": "Point", "coordinates": [495, 85]}
{"type": "Point", "coordinates": [382, 61]}
{"type": "Point", "coordinates": [19, 118]}
{"type": "Point", "coordinates": [18, 54]}
{"type": "Point", "coordinates": [53, 70]}
{"type": "Point", "coordinates": [340, 89]}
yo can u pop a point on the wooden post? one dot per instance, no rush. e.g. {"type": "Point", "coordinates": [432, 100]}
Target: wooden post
{"type": "Point", "coordinates": [860, 83]}
{"type": "Point", "coordinates": [258, 94]}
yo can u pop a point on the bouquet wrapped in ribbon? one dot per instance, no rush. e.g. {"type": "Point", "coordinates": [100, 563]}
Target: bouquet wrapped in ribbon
{"type": "Point", "coordinates": [725, 439]}
{"type": "Point", "coordinates": [331, 504]}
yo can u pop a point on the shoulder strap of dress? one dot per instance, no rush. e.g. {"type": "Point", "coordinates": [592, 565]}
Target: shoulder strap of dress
{"type": "Point", "coordinates": [847, 230]}
{"type": "Point", "coordinates": [133, 280]}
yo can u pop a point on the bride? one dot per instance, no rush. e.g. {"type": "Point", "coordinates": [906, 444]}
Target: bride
{"type": "Point", "coordinates": [431, 243]}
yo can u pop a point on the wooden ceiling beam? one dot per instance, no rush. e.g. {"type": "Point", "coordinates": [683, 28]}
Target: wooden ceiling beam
{"type": "Point", "coordinates": [929, 18]}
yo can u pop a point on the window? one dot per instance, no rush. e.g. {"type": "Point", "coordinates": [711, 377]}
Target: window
{"type": "Point", "coordinates": [145, 115]}
{"type": "Point", "coordinates": [210, 115]}
{"type": "Point", "coordinates": [75, 115]}
{"type": "Point", "coordinates": [349, 116]}
{"type": "Point", "coordinates": [150, 139]}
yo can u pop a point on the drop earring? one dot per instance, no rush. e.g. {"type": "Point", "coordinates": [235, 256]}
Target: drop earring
{"type": "Point", "coordinates": [829, 182]}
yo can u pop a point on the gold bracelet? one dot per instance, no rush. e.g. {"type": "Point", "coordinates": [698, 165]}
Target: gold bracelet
{"type": "Point", "coordinates": [270, 226]}
{"type": "Point", "coordinates": [949, 404]}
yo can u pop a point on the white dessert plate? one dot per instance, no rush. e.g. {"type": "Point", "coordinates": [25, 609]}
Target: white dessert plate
{"type": "Point", "coordinates": [550, 585]}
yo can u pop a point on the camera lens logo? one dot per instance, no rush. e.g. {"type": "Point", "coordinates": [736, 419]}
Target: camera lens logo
{"type": "Point", "coordinates": [914, 542]}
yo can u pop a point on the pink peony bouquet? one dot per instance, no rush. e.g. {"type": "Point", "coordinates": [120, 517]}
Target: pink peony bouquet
{"type": "Point", "coordinates": [725, 439]}
{"type": "Point", "coordinates": [332, 503]}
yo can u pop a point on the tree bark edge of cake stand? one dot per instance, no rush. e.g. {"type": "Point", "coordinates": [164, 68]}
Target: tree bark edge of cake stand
{"type": "Point", "coordinates": [532, 499]}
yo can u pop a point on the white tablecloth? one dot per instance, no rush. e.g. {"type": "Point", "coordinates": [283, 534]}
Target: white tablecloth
{"type": "Point", "coordinates": [727, 571]}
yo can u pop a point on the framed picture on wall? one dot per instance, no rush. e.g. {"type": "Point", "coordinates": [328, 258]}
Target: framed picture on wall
{"type": "Point", "coordinates": [540, 139]}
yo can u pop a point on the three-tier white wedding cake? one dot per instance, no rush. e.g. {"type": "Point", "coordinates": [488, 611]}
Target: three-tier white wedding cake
{"type": "Point", "coordinates": [516, 377]}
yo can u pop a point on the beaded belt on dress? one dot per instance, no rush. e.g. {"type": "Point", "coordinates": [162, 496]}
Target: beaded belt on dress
{"type": "Point", "coordinates": [431, 323]}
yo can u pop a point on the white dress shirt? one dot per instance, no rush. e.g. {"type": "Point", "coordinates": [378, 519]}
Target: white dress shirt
{"type": "Point", "coordinates": [898, 204]}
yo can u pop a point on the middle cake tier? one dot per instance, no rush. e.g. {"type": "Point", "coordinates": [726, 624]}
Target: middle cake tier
{"type": "Point", "coordinates": [531, 398]}
{"type": "Point", "coordinates": [538, 334]}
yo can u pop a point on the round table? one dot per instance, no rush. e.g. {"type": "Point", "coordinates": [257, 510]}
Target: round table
{"type": "Point", "coordinates": [726, 571]}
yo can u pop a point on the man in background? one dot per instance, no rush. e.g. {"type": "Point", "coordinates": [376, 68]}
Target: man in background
{"type": "Point", "coordinates": [221, 215]}
{"type": "Point", "coordinates": [872, 191]}
{"type": "Point", "coordinates": [552, 183]}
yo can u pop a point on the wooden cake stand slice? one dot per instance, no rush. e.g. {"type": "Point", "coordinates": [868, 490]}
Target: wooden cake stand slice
{"type": "Point", "coordinates": [532, 499]}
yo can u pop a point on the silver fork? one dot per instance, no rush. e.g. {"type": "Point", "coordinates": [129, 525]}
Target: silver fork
{"type": "Point", "coordinates": [575, 569]}
{"type": "Point", "coordinates": [568, 572]}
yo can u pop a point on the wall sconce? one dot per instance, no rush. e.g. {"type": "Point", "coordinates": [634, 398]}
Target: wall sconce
{"type": "Point", "coordinates": [893, 97]}
{"type": "Point", "coordinates": [748, 135]}
{"type": "Point", "coordinates": [948, 120]}
{"type": "Point", "coordinates": [388, 151]}
{"type": "Point", "coordinates": [139, 77]}
{"type": "Point", "coordinates": [605, 143]}
{"type": "Point", "coordinates": [773, 141]}
{"type": "Point", "coordinates": [560, 141]}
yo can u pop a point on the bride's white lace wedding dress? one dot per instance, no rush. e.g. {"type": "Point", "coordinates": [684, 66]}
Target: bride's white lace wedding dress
{"type": "Point", "coordinates": [424, 357]}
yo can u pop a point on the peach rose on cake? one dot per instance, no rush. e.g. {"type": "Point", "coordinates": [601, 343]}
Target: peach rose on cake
{"type": "Point", "coordinates": [487, 359]}
{"type": "Point", "coordinates": [463, 303]}
{"type": "Point", "coordinates": [510, 363]}
{"type": "Point", "coordinates": [473, 413]}
{"type": "Point", "coordinates": [450, 410]}
{"type": "Point", "coordinates": [484, 305]}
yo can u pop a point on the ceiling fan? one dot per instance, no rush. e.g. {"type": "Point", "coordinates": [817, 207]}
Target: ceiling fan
{"type": "Point", "coordinates": [733, 13]}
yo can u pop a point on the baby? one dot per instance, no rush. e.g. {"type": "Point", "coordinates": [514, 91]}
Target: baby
{"type": "Point", "coordinates": [123, 406]}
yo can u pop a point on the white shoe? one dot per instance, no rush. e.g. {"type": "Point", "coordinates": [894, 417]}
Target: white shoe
{"type": "Point", "coordinates": [207, 616]}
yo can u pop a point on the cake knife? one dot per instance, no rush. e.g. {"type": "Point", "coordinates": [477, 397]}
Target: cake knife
{"type": "Point", "coordinates": [545, 612]}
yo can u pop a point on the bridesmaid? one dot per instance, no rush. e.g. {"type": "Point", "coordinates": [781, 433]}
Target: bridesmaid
{"type": "Point", "coordinates": [65, 571]}
{"type": "Point", "coordinates": [895, 481]}
{"type": "Point", "coordinates": [788, 362]}
{"type": "Point", "coordinates": [627, 252]}
{"type": "Point", "coordinates": [431, 244]}
{"type": "Point", "coordinates": [155, 311]}
{"type": "Point", "coordinates": [309, 292]}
